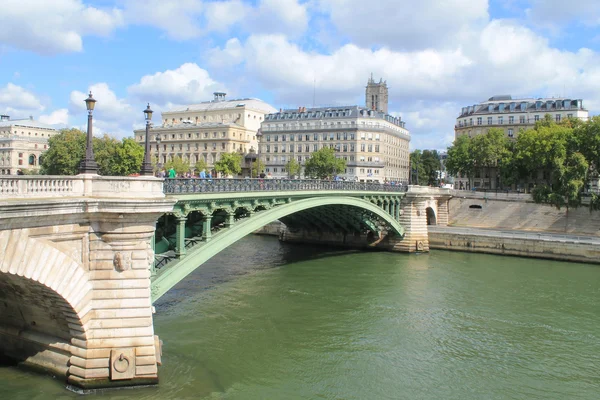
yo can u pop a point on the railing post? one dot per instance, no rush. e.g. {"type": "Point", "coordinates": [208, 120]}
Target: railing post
{"type": "Point", "coordinates": [206, 233]}
{"type": "Point", "coordinates": [180, 238]}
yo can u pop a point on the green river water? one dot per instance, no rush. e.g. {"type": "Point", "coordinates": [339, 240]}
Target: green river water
{"type": "Point", "coordinates": [266, 320]}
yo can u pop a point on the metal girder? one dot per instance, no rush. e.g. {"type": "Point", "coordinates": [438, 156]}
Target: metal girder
{"type": "Point", "coordinates": [175, 271]}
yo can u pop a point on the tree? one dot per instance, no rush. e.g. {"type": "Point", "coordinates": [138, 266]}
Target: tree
{"type": "Point", "coordinates": [459, 159]}
{"type": "Point", "coordinates": [177, 163]}
{"type": "Point", "coordinates": [64, 154]}
{"type": "Point", "coordinates": [488, 149]}
{"type": "Point", "coordinates": [200, 165]}
{"type": "Point", "coordinates": [256, 168]}
{"type": "Point", "coordinates": [114, 157]}
{"type": "Point", "coordinates": [323, 163]}
{"type": "Point", "coordinates": [229, 164]}
{"type": "Point", "coordinates": [293, 168]}
{"type": "Point", "coordinates": [426, 166]}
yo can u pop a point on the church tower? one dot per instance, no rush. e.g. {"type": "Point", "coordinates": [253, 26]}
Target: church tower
{"type": "Point", "coordinates": [376, 95]}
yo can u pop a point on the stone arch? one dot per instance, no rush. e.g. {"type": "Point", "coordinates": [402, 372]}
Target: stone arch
{"type": "Point", "coordinates": [431, 218]}
{"type": "Point", "coordinates": [45, 298]}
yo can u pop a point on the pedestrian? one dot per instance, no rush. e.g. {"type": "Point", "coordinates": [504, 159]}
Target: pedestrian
{"type": "Point", "coordinates": [262, 175]}
{"type": "Point", "coordinates": [202, 174]}
{"type": "Point", "coordinates": [172, 173]}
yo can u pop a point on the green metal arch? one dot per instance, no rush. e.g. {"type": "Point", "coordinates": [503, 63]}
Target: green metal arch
{"type": "Point", "coordinates": [183, 267]}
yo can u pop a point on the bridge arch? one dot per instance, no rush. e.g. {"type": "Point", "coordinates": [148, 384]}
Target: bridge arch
{"type": "Point", "coordinates": [183, 267]}
{"type": "Point", "coordinates": [44, 298]}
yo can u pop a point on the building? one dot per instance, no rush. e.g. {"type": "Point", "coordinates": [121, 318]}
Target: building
{"type": "Point", "coordinates": [376, 95]}
{"type": "Point", "coordinates": [510, 115]}
{"type": "Point", "coordinates": [373, 143]}
{"type": "Point", "coordinates": [22, 142]}
{"type": "Point", "coordinates": [206, 130]}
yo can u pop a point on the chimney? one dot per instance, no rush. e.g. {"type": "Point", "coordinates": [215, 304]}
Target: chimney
{"type": "Point", "coordinates": [4, 117]}
{"type": "Point", "coordinates": [281, 110]}
{"type": "Point", "coordinates": [219, 96]}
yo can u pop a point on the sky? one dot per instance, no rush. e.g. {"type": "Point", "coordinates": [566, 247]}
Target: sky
{"type": "Point", "coordinates": [437, 56]}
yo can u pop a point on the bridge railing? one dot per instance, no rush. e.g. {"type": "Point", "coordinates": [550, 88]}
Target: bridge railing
{"type": "Point", "coordinates": [196, 185]}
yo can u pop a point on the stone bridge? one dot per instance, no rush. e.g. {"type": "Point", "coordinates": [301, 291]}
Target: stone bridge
{"type": "Point", "coordinates": [83, 258]}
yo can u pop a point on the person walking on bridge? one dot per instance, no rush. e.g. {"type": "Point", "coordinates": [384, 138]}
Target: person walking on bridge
{"type": "Point", "coordinates": [172, 173]}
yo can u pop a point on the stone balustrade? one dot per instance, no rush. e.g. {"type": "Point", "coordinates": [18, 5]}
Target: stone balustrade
{"type": "Point", "coordinates": [30, 186]}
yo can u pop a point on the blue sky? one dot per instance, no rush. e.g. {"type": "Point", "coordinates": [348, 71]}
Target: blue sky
{"type": "Point", "coordinates": [437, 56]}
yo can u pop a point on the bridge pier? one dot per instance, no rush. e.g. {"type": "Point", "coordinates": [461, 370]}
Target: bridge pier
{"type": "Point", "coordinates": [75, 296]}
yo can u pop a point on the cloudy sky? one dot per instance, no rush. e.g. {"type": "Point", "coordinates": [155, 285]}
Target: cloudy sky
{"type": "Point", "coordinates": [436, 55]}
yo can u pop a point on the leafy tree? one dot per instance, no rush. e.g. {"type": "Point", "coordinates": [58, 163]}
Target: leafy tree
{"type": "Point", "coordinates": [64, 154]}
{"type": "Point", "coordinates": [178, 164]}
{"type": "Point", "coordinates": [488, 149]}
{"type": "Point", "coordinates": [459, 159]}
{"type": "Point", "coordinates": [229, 164]}
{"type": "Point", "coordinates": [292, 167]}
{"type": "Point", "coordinates": [114, 157]}
{"type": "Point", "coordinates": [201, 165]}
{"type": "Point", "coordinates": [257, 167]}
{"type": "Point", "coordinates": [323, 163]}
{"type": "Point", "coordinates": [426, 166]}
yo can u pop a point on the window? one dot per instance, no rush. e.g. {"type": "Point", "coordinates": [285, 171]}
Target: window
{"type": "Point", "coordinates": [223, 134]}
{"type": "Point", "coordinates": [500, 120]}
{"type": "Point", "coordinates": [315, 147]}
{"type": "Point", "coordinates": [351, 146]}
{"type": "Point", "coordinates": [569, 115]}
{"type": "Point", "coordinates": [362, 147]}
{"type": "Point", "coordinates": [511, 119]}
{"type": "Point", "coordinates": [205, 134]}
{"type": "Point", "coordinates": [268, 138]}
{"type": "Point", "coordinates": [299, 148]}
{"type": "Point", "coordinates": [275, 149]}
{"type": "Point", "coordinates": [557, 117]}
{"type": "Point", "coordinates": [214, 134]}
{"type": "Point", "coordinates": [522, 119]}
{"type": "Point", "coordinates": [479, 120]}
{"type": "Point", "coordinates": [489, 120]}
{"type": "Point", "coordinates": [205, 146]}
{"type": "Point", "coordinates": [510, 133]}
{"type": "Point", "coordinates": [223, 146]}
{"type": "Point", "coordinates": [536, 118]}
{"type": "Point", "coordinates": [370, 148]}
{"type": "Point", "coordinates": [283, 148]}
{"type": "Point", "coordinates": [214, 146]}
{"type": "Point", "coordinates": [268, 148]}
{"type": "Point", "coordinates": [307, 148]}
{"type": "Point", "coordinates": [316, 137]}
{"type": "Point", "coordinates": [345, 147]}
{"type": "Point", "coordinates": [376, 148]}
{"type": "Point", "coordinates": [307, 137]}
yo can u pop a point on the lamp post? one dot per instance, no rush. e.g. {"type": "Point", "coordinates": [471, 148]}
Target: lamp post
{"type": "Point", "coordinates": [158, 152]}
{"type": "Point", "coordinates": [88, 165]}
{"type": "Point", "coordinates": [258, 138]}
{"type": "Point", "coordinates": [147, 165]}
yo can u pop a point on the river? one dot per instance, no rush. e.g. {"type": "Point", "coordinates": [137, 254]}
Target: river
{"type": "Point", "coordinates": [266, 320]}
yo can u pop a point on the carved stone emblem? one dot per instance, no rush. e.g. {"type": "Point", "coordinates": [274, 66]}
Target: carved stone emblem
{"type": "Point", "coordinates": [122, 261]}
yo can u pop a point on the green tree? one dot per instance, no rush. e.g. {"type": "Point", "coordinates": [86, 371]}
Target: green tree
{"type": "Point", "coordinates": [488, 150]}
{"type": "Point", "coordinates": [229, 164]}
{"type": "Point", "coordinates": [323, 163]}
{"type": "Point", "coordinates": [201, 165]}
{"type": "Point", "coordinates": [459, 160]}
{"type": "Point", "coordinates": [257, 167]}
{"type": "Point", "coordinates": [426, 166]}
{"type": "Point", "coordinates": [293, 167]}
{"type": "Point", "coordinates": [114, 157]}
{"type": "Point", "coordinates": [64, 154]}
{"type": "Point", "coordinates": [178, 164]}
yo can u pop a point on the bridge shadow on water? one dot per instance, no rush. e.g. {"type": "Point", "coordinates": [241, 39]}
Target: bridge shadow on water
{"type": "Point", "coordinates": [251, 254]}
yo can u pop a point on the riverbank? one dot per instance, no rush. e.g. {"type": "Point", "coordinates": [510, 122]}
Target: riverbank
{"type": "Point", "coordinates": [516, 243]}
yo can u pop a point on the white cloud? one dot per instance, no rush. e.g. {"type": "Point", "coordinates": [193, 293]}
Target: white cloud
{"type": "Point", "coordinates": [15, 98]}
{"type": "Point", "coordinates": [179, 19]}
{"type": "Point", "coordinates": [232, 54]}
{"type": "Point", "coordinates": [49, 27]}
{"type": "Point", "coordinates": [221, 15]}
{"type": "Point", "coordinates": [406, 24]}
{"type": "Point", "coordinates": [187, 84]}
{"type": "Point", "coordinates": [58, 117]}
{"type": "Point", "coordinates": [112, 115]}
{"type": "Point", "coordinates": [278, 16]}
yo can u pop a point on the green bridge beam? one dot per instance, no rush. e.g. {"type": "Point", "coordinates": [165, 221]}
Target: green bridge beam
{"type": "Point", "coordinates": [170, 275]}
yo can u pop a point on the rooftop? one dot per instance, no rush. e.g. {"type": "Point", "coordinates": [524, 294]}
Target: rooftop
{"type": "Point", "coordinates": [213, 105]}
{"type": "Point", "coordinates": [506, 104]}
{"type": "Point", "coordinates": [25, 122]}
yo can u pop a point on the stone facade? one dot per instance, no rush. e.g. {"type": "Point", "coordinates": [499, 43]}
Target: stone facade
{"type": "Point", "coordinates": [206, 130]}
{"type": "Point", "coordinates": [75, 274]}
{"type": "Point", "coordinates": [22, 142]}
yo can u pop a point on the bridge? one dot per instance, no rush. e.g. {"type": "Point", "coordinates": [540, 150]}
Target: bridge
{"type": "Point", "coordinates": [83, 258]}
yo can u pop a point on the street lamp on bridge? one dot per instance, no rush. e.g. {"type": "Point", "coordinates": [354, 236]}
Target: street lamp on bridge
{"type": "Point", "coordinates": [147, 164]}
{"type": "Point", "coordinates": [88, 165]}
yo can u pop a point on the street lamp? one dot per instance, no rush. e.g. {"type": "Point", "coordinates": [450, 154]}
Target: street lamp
{"type": "Point", "coordinates": [88, 165]}
{"type": "Point", "coordinates": [258, 139]}
{"type": "Point", "coordinates": [147, 165]}
{"type": "Point", "coordinates": [158, 152]}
